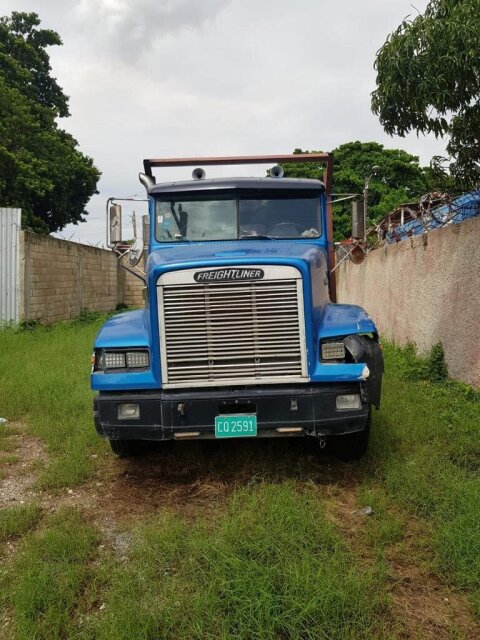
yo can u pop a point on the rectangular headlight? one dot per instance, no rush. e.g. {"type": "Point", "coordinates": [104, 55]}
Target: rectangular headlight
{"type": "Point", "coordinates": [137, 359]}
{"type": "Point", "coordinates": [333, 351]}
{"type": "Point", "coordinates": [113, 360]}
{"type": "Point", "coordinates": [349, 401]}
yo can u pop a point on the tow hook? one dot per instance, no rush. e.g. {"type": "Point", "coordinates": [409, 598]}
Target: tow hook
{"type": "Point", "coordinates": [322, 442]}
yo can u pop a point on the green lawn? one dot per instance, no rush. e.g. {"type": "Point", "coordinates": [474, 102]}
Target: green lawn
{"type": "Point", "coordinates": [277, 555]}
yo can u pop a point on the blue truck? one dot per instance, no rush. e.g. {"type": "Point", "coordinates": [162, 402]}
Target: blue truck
{"type": "Point", "coordinates": [241, 335]}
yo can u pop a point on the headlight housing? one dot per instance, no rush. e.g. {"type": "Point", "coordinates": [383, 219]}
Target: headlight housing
{"type": "Point", "coordinates": [330, 350]}
{"type": "Point", "coordinates": [116, 360]}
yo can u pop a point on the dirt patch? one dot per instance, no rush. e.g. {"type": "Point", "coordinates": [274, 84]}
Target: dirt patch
{"type": "Point", "coordinates": [422, 607]}
{"type": "Point", "coordinates": [427, 609]}
{"type": "Point", "coordinates": [20, 464]}
{"type": "Point", "coordinates": [191, 478]}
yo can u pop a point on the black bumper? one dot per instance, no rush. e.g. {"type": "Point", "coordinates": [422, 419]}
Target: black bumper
{"type": "Point", "coordinates": [168, 414]}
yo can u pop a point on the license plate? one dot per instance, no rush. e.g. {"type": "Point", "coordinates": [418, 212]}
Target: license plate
{"type": "Point", "coordinates": [236, 426]}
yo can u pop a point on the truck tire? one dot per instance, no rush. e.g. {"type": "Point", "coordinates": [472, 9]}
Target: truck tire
{"type": "Point", "coordinates": [352, 446]}
{"type": "Point", "coordinates": [128, 448]}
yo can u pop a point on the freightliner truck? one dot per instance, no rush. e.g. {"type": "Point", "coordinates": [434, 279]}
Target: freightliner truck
{"type": "Point", "coordinates": [241, 335]}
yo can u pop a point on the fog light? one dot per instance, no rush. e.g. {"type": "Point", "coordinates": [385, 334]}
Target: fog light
{"type": "Point", "coordinates": [349, 401]}
{"type": "Point", "coordinates": [333, 351]}
{"type": "Point", "coordinates": [128, 411]}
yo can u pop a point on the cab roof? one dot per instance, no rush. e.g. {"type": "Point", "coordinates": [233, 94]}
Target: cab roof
{"type": "Point", "coordinates": [227, 184]}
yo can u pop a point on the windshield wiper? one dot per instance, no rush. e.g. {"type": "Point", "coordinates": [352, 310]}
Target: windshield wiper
{"type": "Point", "coordinates": [258, 236]}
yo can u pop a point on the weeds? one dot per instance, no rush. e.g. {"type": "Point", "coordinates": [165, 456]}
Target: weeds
{"type": "Point", "coordinates": [48, 576]}
{"type": "Point", "coordinates": [407, 364]}
{"type": "Point", "coordinates": [17, 520]}
{"type": "Point", "coordinates": [425, 452]}
{"type": "Point", "coordinates": [87, 316]}
{"type": "Point", "coordinates": [270, 567]}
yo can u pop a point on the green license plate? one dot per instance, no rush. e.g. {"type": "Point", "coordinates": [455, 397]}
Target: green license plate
{"type": "Point", "coordinates": [236, 426]}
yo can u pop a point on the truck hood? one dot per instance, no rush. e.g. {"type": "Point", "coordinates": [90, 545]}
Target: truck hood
{"type": "Point", "coordinates": [241, 252]}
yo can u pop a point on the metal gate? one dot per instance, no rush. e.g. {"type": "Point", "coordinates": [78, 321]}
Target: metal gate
{"type": "Point", "coordinates": [10, 220]}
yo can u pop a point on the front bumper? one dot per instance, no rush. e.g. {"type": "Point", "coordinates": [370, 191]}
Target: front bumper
{"type": "Point", "coordinates": [169, 414]}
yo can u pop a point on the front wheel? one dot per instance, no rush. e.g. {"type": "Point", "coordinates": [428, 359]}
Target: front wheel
{"type": "Point", "coordinates": [352, 446]}
{"type": "Point", "coordinates": [129, 448]}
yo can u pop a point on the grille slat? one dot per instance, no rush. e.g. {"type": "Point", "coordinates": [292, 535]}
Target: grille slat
{"type": "Point", "coordinates": [222, 333]}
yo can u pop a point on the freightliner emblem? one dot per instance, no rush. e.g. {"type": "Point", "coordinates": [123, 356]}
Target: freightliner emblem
{"type": "Point", "coordinates": [227, 275]}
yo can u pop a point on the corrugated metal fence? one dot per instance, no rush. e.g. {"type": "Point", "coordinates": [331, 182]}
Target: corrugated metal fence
{"type": "Point", "coordinates": [9, 241]}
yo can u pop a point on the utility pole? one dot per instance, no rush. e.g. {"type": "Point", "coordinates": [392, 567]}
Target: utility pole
{"type": "Point", "coordinates": [375, 170]}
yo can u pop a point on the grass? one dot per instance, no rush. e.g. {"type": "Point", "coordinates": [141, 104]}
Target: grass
{"type": "Point", "coordinates": [17, 520]}
{"type": "Point", "coordinates": [425, 454]}
{"type": "Point", "coordinates": [270, 567]}
{"type": "Point", "coordinates": [48, 576]}
{"type": "Point", "coordinates": [44, 382]}
{"type": "Point", "coordinates": [266, 562]}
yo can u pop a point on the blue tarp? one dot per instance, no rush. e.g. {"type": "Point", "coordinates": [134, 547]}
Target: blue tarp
{"type": "Point", "coordinates": [461, 208]}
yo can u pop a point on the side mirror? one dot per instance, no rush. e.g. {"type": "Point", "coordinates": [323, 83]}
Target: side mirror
{"type": "Point", "coordinates": [136, 252]}
{"type": "Point", "coordinates": [358, 219]}
{"type": "Point", "coordinates": [115, 223]}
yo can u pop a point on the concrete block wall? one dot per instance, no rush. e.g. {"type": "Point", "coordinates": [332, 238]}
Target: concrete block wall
{"type": "Point", "coordinates": [59, 279]}
{"type": "Point", "coordinates": [131, 288]}
{"type": "Point", "coordinates": [425, 290]}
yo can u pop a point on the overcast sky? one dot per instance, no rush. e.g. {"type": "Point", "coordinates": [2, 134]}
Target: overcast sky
{"type": "Point", "coordinates": [158, 78]}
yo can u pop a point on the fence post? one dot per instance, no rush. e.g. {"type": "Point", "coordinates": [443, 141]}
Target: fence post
{"type": "Point", "coordinates": [10, 221]}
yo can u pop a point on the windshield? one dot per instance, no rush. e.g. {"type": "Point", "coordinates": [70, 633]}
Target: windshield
{"type": "Point", "coordinates": [190, 217]}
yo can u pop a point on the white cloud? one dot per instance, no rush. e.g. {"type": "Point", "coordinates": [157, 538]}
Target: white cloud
{"type": "Point", "coordinates": [152, 78]}
{"type": "Point", "coordinates": [129, 29]}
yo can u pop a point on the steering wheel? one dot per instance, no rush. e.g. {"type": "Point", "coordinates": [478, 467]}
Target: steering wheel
{"type": "Point", "coordinates": [277, 228]}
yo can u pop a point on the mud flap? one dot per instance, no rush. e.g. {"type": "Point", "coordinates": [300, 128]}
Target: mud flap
{"type": "Point", "coordinates": [364, 349]}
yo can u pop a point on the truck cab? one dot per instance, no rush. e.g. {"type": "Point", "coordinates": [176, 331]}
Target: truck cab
{"type": "Point", "coordinates": [240, 335]}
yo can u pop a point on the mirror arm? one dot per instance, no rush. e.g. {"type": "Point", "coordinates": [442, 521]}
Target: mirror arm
{"type": "Point", "coordinates": [121, 255]}
{"type": "Point", "coordinates": [345, 257]}
{"type": "Point", "coordinates": [134, 273]}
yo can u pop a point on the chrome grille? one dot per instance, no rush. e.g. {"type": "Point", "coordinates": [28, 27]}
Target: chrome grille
{"type": "Point", "coordinates": [224, 333]}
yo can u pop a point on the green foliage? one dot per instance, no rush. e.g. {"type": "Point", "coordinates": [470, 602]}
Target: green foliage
{"type": "Point", "coordinates": [400, 179]}
{"type": "Point", "coordinates": [87, 316]}
{"type": "Point", "coordinates": [437, 367]}
{"type": "Point", "coordinates": [41, 169]}
{"type": "Point", "coordinates": [428, 80]}
{"type": "Point", "coordinates": [406, 362]}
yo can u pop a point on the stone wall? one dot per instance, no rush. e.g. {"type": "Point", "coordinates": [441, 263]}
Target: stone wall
{"type": "Point", "coordinates": [60, 279]}
{"type": "Point", "coordinates": [425, 290]}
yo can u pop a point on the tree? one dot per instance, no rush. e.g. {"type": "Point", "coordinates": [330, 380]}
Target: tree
{"type": "Point", "coordinates": [400, 179]}
{"type": "Point", "coordinates": [428, 80]}
{"type": "Point", "coordinates": [41, 168]}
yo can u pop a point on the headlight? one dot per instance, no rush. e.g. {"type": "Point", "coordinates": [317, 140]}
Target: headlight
{"type": "Point", "coordinates": [126, 360]}
{"type": "Point", "coordinates": [333, 351]}
{"type": "Point", "coordinates": [112, 360]}
{"type": "Point", "coordinates": [137, 359]}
